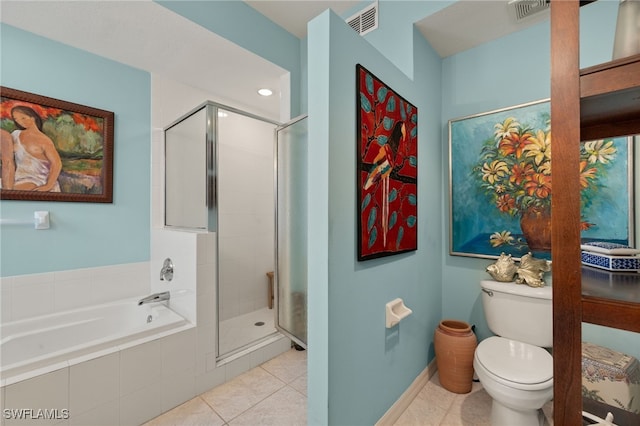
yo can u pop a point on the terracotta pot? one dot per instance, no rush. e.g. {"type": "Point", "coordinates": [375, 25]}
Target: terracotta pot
{"type": "Point", "coordinates": [535, 223]}
{"type": "Point", "coordinates": [455, 345]}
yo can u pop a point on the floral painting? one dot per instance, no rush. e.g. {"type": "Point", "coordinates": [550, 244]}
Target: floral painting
{"type": "Point", "coordinates": [501, 184]}
{"type": "Point", "coordinates": [54, 150]}
{"type": "Point", "coordinates": [387, 176]}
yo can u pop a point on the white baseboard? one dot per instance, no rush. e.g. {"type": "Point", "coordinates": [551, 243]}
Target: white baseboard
{"type": "Point", "coordinates": [407, 397]}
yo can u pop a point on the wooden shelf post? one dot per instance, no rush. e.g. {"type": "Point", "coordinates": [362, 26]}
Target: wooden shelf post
{"type": "Point", "coordinates": [565, 212]}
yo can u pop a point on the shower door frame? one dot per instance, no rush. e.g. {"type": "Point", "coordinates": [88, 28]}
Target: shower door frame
{"type": "Point", "coordinates": [210, 172]}
{"type": "Point", "coordinates": [276, 290]}
{"type": "Point", "coordinates": [213, 130]}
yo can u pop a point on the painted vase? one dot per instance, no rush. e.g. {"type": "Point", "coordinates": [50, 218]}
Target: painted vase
{"type": "Point", "coordinates": [536, 228]}
{"type": "Point", "coordinates": [455, 344]}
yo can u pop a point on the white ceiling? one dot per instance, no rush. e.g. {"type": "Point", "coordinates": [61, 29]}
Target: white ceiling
{"type": "Point", "coordinates": [453, 29]}
{"type": "Point", "coordinates": [469, 23]}
{"type": "Point", "coordinates": [148, 36]}
{"type": "Point", "coordinates": [294, 15]}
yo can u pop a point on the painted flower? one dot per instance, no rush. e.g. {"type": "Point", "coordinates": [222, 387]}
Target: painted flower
{"type": "Point", "coordinates": [514, 169]}
{"type": "Point", "coordinates": [498, 239]}
{"type": "Point", "coordinates": [545, 168]}
{"type": "Point", "coordinates": [515, 143]}
{"type": "Point", "coordinates": [539, 185]}
{"type": "Point", "coordinates": [584, 225]}
{"type": "Point", "coordinates": [521, 172]}
{"type": "Point", "coordinates": [506, 128]}
{"type": "Point", "coordinates": [505, 203]}
{"type": "Point", "coordinates": [586, 174]}
{"type": "Point", "coordinates": [495, 171]}
{"type": "Point", "coordinates": [600, 151]}
{"type": "Point", "coordinates": [539, 147]}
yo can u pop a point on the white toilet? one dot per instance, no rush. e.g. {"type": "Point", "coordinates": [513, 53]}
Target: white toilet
{"type": "Point", "coordinates": [514, 368]}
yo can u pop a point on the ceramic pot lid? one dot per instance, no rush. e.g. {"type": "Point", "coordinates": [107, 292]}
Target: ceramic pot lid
{"type": "Point", "coordinates": [515, 361]}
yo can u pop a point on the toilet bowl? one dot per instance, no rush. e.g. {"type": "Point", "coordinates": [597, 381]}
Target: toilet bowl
{"type": "Point", "coordinates": [518, 377]}
{"type": "Point", "coordinates": [513, 366]}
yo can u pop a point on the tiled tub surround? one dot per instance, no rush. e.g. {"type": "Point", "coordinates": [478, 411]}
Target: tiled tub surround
{"type": "Point", "coordinates": [126, 387]}
{"type": "Point", "coordinates": [129, 386]}
{"type": "Point", "coordinates": [26, 296]}
{"type": "Point", "coordinates": [41, 344]}
{"type": "Point", "coordinates": [129, 383]}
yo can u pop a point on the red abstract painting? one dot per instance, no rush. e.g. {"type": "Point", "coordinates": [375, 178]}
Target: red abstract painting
{"type": "Point", "coordinates": [387, 132]}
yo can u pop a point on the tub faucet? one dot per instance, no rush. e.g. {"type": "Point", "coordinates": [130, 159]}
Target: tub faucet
{"type": "Point", "coordinates": [167, 270]}
{"type": "Point", "coordinates": [156, 297]}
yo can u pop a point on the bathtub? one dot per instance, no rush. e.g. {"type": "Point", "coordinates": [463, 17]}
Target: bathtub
{"type": "Point", "coordinates": [37, 345]}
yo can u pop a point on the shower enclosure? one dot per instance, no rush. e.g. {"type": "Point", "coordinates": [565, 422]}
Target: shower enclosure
{"type": "Point", "coordinates": [245, 228]}
{"type": "Point", "coordinates": [225, 174]}
{"type": "Point", "coordinates": [291, 238]}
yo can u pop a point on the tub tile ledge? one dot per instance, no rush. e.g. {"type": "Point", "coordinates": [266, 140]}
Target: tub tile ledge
{"type": "Point", "coordinates": [34, 373]}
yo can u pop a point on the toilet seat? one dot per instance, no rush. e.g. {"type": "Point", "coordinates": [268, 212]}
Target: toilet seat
{"type": "Point", "coordinates": [514, 363]}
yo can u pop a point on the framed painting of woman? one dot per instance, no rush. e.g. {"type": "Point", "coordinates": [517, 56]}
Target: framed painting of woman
{"type": "Point", "coordinates": [54, 150]}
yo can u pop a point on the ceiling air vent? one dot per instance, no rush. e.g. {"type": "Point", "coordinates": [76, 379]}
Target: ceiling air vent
{"type": "Point", "coordinates": [366, 20]}
{"type": "Point", "coordinates": [522, 9]}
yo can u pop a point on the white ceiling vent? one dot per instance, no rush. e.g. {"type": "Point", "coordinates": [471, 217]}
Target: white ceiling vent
{"type": "Point", "coordinates": [366, 20]}
{"type": "Point", "coordinates": [521, 9]}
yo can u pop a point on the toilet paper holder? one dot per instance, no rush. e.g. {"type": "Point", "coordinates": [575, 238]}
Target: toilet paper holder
{"type": "Point", "coordinates": [396, 311]}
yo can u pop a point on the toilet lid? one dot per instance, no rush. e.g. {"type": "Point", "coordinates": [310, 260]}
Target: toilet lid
{"type": "Point", "coordinates": [515, 361]}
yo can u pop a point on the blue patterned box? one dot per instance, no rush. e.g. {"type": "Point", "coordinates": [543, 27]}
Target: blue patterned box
{"type": "Point", "coordinates": [611, 263]}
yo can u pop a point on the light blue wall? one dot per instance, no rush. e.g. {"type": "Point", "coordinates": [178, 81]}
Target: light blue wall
{"type": "Point", "coordinates": [473, 82]}
{"type": "Point", "coordinates": [368, 365]}
{"type": "Point", "coordinates": [240, 23]}
{"type": "Point", "coordinates": [82, 234]}
{"type": "Point", "coordinates": [394, 35]}
{"type": "Point", "coordinates": [318, 214]}
{"type": "Point", "coordinates": [357, 368]}
{"type": "Point", "coordinates": [502, 73]}
{"type": "Point", "coordinates": [597, 31]}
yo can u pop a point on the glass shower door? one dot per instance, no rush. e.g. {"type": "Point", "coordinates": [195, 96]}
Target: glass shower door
{"type": "Point", "coordinates": [246, 229]}
{"type": "Point", "coordinates": [291, 230]}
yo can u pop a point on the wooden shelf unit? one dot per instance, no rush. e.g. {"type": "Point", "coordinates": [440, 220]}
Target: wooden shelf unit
{"type": "Point", "coordinates": [609, 98]}
{"type": "Point", "coordinates": [594, 103]}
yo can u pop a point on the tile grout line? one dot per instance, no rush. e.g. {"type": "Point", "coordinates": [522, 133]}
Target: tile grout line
{"type": "Point", "coordinates": [446, 413]}
{"type": "Point", "coordinates": [252, 406]}
{"type": "Point", "coordinates": [286, 385]}
{"type": "Point", "coordinates": [291, 387]}
{"type": "Point", "coordinates": [274, 376]}
{"type": "Point", "coordinates": [213, 409]}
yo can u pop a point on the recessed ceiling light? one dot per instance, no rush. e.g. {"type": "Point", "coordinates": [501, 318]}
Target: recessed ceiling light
{"type": "Point", "coordinates": [265, 92]}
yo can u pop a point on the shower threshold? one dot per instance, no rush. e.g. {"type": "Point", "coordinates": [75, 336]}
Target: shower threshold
{"type": "Point", "coordinates": [239, 333]}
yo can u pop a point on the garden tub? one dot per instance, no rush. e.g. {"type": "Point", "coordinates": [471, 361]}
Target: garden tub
{"type": "Point", "coordinates": [35, 346]}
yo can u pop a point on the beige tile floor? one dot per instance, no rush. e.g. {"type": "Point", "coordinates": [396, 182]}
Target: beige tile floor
{"type": "Point", "coordinates": [275, 394]}
{"type": "Point", "coordinates": [436, 406]}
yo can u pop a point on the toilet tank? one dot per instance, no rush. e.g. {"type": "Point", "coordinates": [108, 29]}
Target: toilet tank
{"type": "Point", "coordinates": [519, 312]}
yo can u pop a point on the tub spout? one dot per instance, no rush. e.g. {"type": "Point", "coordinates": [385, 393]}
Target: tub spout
{"type": "Point", "coordinates": [156, 297]}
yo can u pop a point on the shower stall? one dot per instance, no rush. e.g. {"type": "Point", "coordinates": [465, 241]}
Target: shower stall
{"type": "Point", "coordinates": [223, 175]}
{"type": "Point", "coordinates": [291, 229]}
